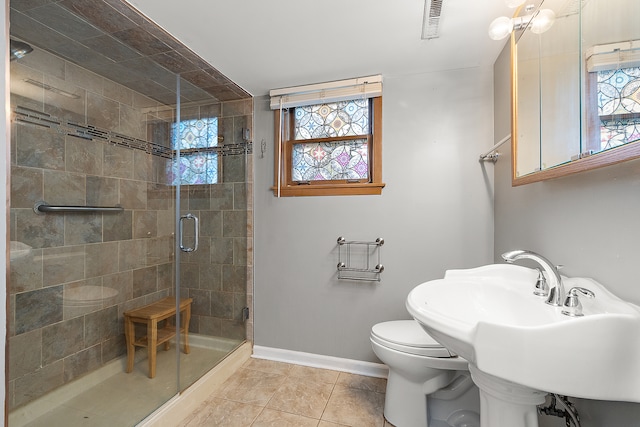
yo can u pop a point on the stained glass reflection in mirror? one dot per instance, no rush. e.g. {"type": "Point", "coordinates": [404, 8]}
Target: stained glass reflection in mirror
{"type": "Point", "coordinates": [197, 140]}
{"type": "Point", "coordinates": [619, 106]}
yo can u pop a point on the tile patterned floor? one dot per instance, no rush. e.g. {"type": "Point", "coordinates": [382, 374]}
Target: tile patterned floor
{"type": "Point", "coordinates": [266, 393]}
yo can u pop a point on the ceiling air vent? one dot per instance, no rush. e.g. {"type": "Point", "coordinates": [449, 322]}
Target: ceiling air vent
{"type": "Point", "coordinates": [431, 19]}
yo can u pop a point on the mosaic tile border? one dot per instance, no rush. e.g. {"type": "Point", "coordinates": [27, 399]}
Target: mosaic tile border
{"type": "Point", "coordinates": [89, 132]}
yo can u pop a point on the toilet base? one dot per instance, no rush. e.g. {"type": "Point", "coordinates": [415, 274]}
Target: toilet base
{"type": "Point", "coordinates": [405, 402]}
{"type": "Point", "coordinates": [425, 389]}
{"type": "Point", "coordinates": [410, 404]}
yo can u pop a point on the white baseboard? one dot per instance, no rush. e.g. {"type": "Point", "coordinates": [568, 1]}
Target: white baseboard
{"type": "Point", "coordinates": [359, 367]}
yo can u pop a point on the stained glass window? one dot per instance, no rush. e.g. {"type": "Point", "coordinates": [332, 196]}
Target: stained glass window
{"type": "Point", "coordinates": [619, 106]}
{"type": "Point", "coordinates": [330, 120]}
{"type": "Point", "coordinates": [198, 162]}
{"type": "Point", "coordinates": [337, 159]}
{"type": "Point", "coordinates": [331, 160]}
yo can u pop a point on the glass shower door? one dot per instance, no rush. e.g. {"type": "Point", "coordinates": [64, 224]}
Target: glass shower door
{"type": "Point", "coordinates": [93, 235]}
{"type": "Point", "coordinates": [210, 168]}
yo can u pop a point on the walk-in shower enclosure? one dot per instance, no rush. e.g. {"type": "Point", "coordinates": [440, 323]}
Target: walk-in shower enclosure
{"type": "Point", "coordinates": [108, 110]}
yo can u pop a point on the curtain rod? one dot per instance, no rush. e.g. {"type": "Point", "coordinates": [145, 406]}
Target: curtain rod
{"type": "Point", "coordinates": [494, 157]}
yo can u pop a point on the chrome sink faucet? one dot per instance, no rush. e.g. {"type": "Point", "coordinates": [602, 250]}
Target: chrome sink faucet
{"type": "Point", "coordinates": [556, 288]}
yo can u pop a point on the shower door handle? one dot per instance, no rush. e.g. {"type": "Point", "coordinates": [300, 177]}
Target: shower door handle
{"type": "Point", "coordinates": [196, 229]}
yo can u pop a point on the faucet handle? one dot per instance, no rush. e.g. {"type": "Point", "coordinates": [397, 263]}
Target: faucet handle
{"type": "Point", "coordinates": [542, 288]}
{"type": "Point", "coordinates": [572, 305]}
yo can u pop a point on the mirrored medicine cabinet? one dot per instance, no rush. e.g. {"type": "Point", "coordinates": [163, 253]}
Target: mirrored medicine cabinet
{"type": "Point", "coordinates": [575, 88]}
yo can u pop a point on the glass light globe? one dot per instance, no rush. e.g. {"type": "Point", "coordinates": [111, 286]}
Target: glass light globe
{"type": "Point", "coordinates": [514, 3]}
{"type": "Point", "coordinates": [543, 21]}
{"type": "Point", "coordinates": [500, 28]}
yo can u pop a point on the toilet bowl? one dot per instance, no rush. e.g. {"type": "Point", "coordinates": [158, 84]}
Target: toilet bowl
{"type": "Point", "coordinates": [428, 386]}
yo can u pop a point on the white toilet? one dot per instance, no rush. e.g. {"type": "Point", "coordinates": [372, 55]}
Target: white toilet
{"type": "Point", "coordinates": [427, 385]}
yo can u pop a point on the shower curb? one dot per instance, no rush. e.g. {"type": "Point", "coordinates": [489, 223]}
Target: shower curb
{"type": "Point", "coordinates": [184, 404]}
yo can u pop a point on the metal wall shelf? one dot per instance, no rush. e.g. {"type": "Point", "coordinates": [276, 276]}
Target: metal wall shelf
{"type": "Point", "coordinates": [359, 260]}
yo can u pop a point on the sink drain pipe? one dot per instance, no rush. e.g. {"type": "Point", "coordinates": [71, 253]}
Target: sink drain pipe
{"type": "Point", "coordinates": [569, 413]}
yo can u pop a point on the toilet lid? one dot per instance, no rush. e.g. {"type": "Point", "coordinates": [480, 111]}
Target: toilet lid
{"type": "Point", "coordinates": [410, 335]}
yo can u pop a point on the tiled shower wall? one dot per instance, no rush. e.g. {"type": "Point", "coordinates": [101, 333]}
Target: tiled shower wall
{"type": "Point", "coordinates": [78, 273]}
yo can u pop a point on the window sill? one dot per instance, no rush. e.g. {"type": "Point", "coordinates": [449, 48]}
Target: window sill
{"type": "Point", "coordinates": [360, 189]}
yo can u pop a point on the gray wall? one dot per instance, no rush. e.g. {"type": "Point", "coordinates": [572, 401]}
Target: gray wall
{"type": "Point", "coordinates": [587, 222]}
{"type": "Point", "coordinates": [434, 214]}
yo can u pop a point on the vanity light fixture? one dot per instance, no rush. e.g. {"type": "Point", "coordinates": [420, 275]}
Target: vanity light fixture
{"type": "Point", "coordinates": [538, 22]}
{"type": "Point", "coordinates": [542, 21]}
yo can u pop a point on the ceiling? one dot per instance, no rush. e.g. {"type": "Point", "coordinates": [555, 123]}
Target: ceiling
{"type": "Point", "coordinates": [268, 44]}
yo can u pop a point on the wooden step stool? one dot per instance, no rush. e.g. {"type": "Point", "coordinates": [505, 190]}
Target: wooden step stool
{"type": "Point", "coordinates": [150, 315]}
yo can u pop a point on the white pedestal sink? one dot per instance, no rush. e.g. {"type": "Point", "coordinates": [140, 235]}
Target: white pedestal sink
{"type": "Point", "coordinates": [519, 348]}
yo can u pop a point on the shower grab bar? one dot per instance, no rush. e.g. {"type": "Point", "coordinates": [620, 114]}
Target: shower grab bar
{"type": "Point", "coordinates": [43, 207]}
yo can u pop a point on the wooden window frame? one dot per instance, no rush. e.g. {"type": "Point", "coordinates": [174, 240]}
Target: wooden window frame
{"type": "Point", "coordinates": [283, 159]}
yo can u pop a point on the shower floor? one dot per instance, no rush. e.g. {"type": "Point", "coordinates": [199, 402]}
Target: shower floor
{"type": "Point", "coordinates": [121, 399]}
